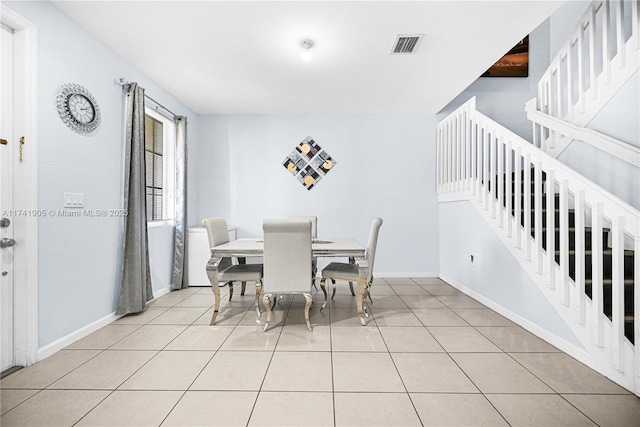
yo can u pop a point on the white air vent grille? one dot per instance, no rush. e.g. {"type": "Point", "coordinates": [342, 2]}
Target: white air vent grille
{"type": "Point", "coordinates": [406, 43]}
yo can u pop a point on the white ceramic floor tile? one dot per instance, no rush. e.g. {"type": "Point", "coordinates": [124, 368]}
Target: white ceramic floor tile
{"type": "Point", "coordinates": [296, 337]}
{"type": "Point", "coordinates": [104, 338]}
{"type": "Point", "coordinates": [226, 317]}
{"type": "Point", "coordinates": [482, 317]}
{"type": "Point", "coordinates": [9, 399]}
{"type": "Point", "coordinates": [295, 409]}
{"type": "Point", "coordinates": [106, 371]}
{"type": "Point", "coordinates": [299, 371]}
{"type": "Point", "coordinates": [347, 317]}
{"type": "Point", "coordinates": [201, 337]}
{"type": "Point", "coordinates": [49, 370]}
{"type": "Point", "coordinates": [459, 301]}
{"type": "Point", "coordinates": [364, 372]}
{"type": "Point", "coordinates": [400, 281]}
{"type": "Point", "coordinates": [179, 316]}
{"type": "Point", "coordinates": [608, 410]}
{"type": "Point", "coordinates": [401, 339]}
{"type": "Point", "coordinates": [422, 301]}
{"type": "Point", "coordinates": [538, 410]}
{"type": "Point", "coordinates": [200, 300]}
{"type": "Point", "coordinates": [438, 317]}
{"type": "Point", "coordinates": [212, 409]}
{"type": "Point", "coordinates": [234, 370]}
{"type": "Point", "coordinates": [564, 374]}
{"type": "Point", "coordinates": [498, 373]}
{"type": "Point", "coordinates": [395, 317]}
{"type": "Point", "coordinates": [432, 372]}
{"type": "Point", "coordinates": [53, 408]}
{"type": "Point", "coordinates": [168, 300]}
{"type": "Point", "coordinates": [511, 339]}
{"type": "Point", "coordinates": [374, 409]}
{"type": "Point", "coordinates": [169, 370]}
{"type": "Point", "coordinates": [441, 289]}
{"type": "Point", "coordinates": [409, 290]}
{"type": "Point", "coordinates": [354, 338]}
{"type": "Point", "coordinates": [132, 409]}
{"type": "Point", "coordinates": [149, 337]}
{"type": "Point", "coordinates": [252, 338]}
{"type": "Point", "coordinates": [141, 318]}
{"type": "Point", "coordinates": [462, 339]}
{"type": "Point", "coordinates": [429, 281]}
{"type": "Point", "coordinates": [461, 410]}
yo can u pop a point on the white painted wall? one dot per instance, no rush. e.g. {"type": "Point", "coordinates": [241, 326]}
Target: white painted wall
{"type": "Point", "coordinates": [385, 167]}
{"type": "Point", "coordinates": [80, 258]}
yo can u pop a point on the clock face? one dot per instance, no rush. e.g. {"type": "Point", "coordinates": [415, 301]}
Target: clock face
{"type": "Point", "coordinates": [81, 108]}
{"type": "Point", "coordinates": [78, 109]}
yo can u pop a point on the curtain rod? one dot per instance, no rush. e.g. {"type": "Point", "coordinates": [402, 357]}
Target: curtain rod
{"type": "Point", "coordinates": [124, 82]}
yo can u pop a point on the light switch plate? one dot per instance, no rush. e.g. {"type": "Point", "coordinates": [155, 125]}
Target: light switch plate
{"type": "Point", "coordinates": [73, 200]}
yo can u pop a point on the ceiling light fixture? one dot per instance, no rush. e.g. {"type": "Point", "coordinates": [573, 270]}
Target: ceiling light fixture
{"type": "Point", "coordinates": [306, 45]}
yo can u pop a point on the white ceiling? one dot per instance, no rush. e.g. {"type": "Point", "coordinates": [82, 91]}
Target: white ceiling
{"type": "Point", "coordinates": [241, 57]}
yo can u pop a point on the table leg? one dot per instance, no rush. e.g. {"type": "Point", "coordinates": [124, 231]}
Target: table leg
{"type": "Point", "coordinates": [258, 292]}
{"type": "Point", "coordinates": [324, 290]}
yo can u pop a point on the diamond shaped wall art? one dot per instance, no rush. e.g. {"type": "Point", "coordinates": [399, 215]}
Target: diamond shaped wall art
{"type": "Point", "coordinates": [309, 163]}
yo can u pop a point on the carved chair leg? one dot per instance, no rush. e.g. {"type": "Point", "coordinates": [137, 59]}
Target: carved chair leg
{"type": "Point", "coordinates": [359, 302]}
{"type": "Point", "coordinates": [353, 294]}
{"type": "Point", "coordinates": [258, 292]}
{"type": "Point", "coordinates": [216, 306]}
{"type": "Point", "coordinates": [244, 286]}
{"type": "Point", "coordinates": [230, 290]}
{"type": "Point", "coordinates": [267, 307]}
{"type": "Point", "coordinates": [324, 291]}
{"type": "Point", "coordinates": [307, 305]}
{"type": "Point", "coordinates": [333, 294]}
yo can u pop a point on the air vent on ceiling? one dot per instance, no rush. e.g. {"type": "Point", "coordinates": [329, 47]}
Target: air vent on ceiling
{"type": "Point", "coordinates": [406, 43]}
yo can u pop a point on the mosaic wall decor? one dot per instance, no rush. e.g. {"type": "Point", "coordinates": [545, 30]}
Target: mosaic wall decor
{"type": "Point", "coordinates": [308, 162]}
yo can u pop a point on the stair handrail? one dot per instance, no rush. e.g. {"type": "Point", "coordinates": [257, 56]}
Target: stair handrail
{"type": "Point", "coordinates": [569, 87]}
{"type": "Point", "coordinates": [620, 149]}
{"type": "Point", "coordinates": [473, 153]}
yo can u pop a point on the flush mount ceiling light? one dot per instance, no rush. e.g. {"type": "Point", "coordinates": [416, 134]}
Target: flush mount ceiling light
{"type": "Point", "coordinates": [306, 45]}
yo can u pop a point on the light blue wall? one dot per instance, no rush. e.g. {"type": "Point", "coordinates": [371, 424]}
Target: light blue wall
{"type": "Point", "coordinates": [79, 258]}
{"type": "Point", "coordinates": [495, 274]}
{"type": "Point", "coordinates": [385, 167]}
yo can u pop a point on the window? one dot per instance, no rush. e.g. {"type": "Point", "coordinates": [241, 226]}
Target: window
{"type": "Point", "coordinates": [159, 148]}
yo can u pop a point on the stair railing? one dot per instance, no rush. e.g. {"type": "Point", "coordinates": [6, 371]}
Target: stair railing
{"type": "Point", "coordinates": [602, 53]}
{"type": "Point", "coordinates": [512, 182]}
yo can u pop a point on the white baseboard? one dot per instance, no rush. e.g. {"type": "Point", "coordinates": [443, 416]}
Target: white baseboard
{"type": "Point", "coordinates": [59, 344]}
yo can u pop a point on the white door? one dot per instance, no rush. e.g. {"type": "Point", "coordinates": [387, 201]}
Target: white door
{"type": "Point", "coordinates": [8, 147]}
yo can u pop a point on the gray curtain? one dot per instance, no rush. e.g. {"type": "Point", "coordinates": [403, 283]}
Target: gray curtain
{"type": "Point", "coordinates": [180, 272]}
{"type": "Point", "coordinates": [135, 289]}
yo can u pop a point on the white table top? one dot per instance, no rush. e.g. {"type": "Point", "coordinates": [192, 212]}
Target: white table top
{"type": "Point", "coordinates": [331, 247]}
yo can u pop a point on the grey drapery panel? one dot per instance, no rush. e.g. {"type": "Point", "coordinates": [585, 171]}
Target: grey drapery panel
{"type": "Point", "coordinates": [135, 289]}
{"type": "Point", "coordinates": [180, 271]}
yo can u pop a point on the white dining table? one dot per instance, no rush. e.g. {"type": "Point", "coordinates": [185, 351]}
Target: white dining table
{"type": "Point", "coordinates": [254, 247]}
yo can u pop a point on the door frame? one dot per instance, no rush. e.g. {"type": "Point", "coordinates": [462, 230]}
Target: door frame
{"type": "Point", "coordinates": [25, 179]}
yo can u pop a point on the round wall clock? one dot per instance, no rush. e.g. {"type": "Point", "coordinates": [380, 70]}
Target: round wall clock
{"type": "Point", "coordinates": [78, 109]}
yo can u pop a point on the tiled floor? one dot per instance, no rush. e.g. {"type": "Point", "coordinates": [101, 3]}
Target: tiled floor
{"type": "Point", "coordinates": [428, 356]}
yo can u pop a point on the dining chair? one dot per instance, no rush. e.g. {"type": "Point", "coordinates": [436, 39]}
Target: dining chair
{"type": "Point", "coordinates": [287, 262]}
{"type": "Point", "coordinates": [360, 271]}
{"type": "Point", "coordinates": [314, 235]}
{"type": "Point", "coordinates": [224, 270]}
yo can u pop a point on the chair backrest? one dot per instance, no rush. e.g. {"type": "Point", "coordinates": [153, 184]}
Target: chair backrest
{"type": "Point", "coordinates": [218, 234]}
{"type": "Point", "coordinates": [287, 256]}
{"type": "Point", "coordinates": [373, 243]}
{"type": "Point", "coordinates": [314, 223]}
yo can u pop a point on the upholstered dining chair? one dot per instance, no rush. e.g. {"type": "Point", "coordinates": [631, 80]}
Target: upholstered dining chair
{"type": "Point", "coordinates": [287, 262]}
{"type": "Point", "coordinates": [360, 271]}
{"type": "Point", "coordinates": [314, 234]}
{"type": "Point", "coordinates": [224, 270]}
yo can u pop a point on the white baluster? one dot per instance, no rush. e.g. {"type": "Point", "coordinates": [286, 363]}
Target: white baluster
{"type": "Point", "coordinates": [474, 158]}
{"type": "Point", "coordinates": [579, 300]}
{"type": "Point", "coordinates": [564, 242]}
{"type": "Point", "coordinates": [439, 157]}
{"type": "Point", "coordinates": [518, 196]}
{"type": "Point", "coordinates": [509, 187]}
{"type": "Point", "coordinates": [538, 215]}
{"type": "Point", "coordinates": [500, 181]}
{"type": "Point", "coordinates": [636, 306]}
{"type": "Point", "coordinates": [592, 53]}
{"type": "Point", "coordinates": [617, 293]}
{"type": "Point", "coordinates": [606, 39]}
{"type": "Point", "coordinates": [581, 72]}
{"type": "Point", "coordinates": [493, 171]}
{"type": "Point", "coordinates": [621, 50]}
{"type": "Point", "coordinates": [485, 166]}
{"type": "Point", "coordinates": [635, 35]}
{"type": "Point", "coordinates": [527, 205]}
{"type": "Point", "coordinates": [551, 228]}
{"type": "Point", "coordinates": [596, 274]}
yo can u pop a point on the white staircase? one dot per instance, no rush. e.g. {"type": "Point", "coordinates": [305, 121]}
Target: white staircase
{"type": "Point", "coordinates": [579, 243]}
